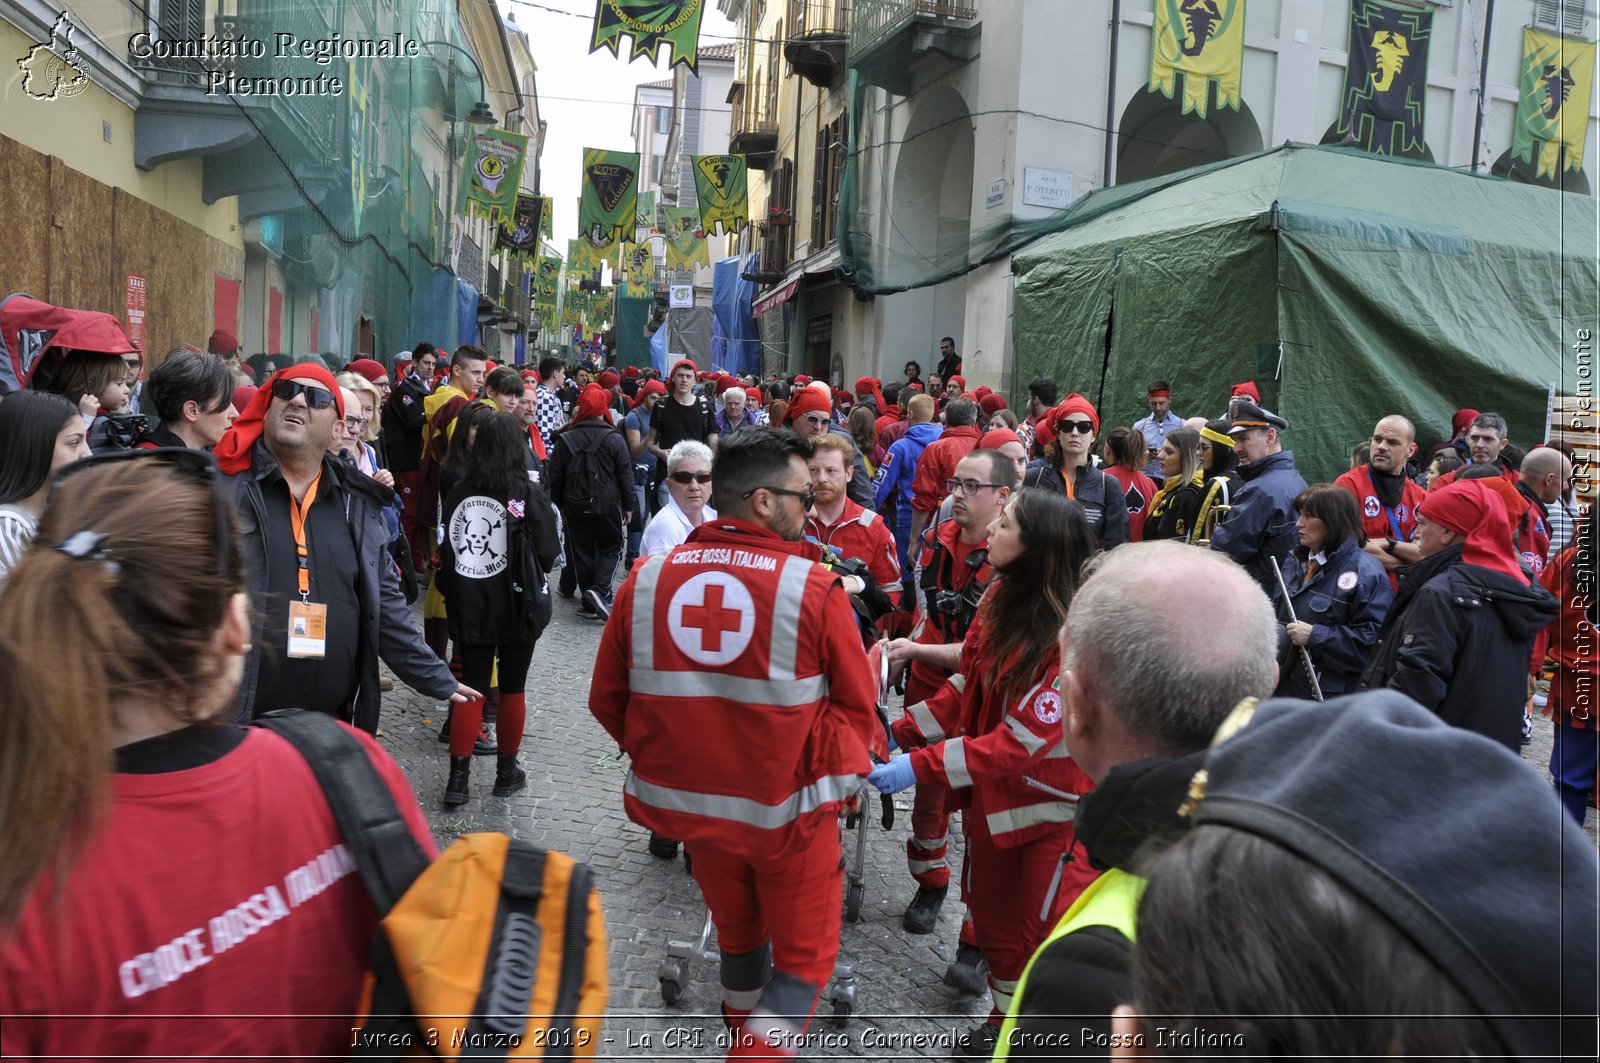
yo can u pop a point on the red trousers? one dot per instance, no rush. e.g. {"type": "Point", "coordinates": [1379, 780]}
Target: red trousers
{"type": "Point", "coordinates": [406, 485]}
{"type": "Point", "coordinates": [1017, 895]}
{"type": "Point", "coordinates": [777, 923]}
{"type": "Point", "coordinates": [927, 850]}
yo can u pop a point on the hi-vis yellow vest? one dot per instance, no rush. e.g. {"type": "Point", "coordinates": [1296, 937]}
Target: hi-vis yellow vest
{"type": "Point", "coordinates": [1111, 900]}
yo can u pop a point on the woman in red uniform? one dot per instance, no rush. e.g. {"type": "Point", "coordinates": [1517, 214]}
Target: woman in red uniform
{"type": "Point", "coordinates": [995, 740]}
{"type": "Point", "coordinates": [174, 887]}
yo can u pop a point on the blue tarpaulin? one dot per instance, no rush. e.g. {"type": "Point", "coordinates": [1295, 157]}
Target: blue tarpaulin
{"type": "Point", "coordinates": [731, 296]}
{"type": "Point", "coordinates": [433, 316]}
{"type": "Point", "coordinates": [466, 312]}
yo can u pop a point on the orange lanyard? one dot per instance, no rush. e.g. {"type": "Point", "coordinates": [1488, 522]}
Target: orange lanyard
{"type": "Point", "coordinates": [1066, 478]}
{"type": "Point", "coordinates": [297, 522]}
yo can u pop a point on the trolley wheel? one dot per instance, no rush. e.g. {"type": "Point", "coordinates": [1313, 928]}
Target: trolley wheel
{"type": "Point", "coordinates": [671, 976]}
{"type": "Point", "coordinates": [842, 1010]}
{"type": "Point", "coordinates": [671, 990]}
{"type": "Point", "coordinates": [854, 893]}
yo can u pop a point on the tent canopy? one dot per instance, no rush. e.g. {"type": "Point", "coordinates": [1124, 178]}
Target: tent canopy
{"type": "Point", "coordinates": [1349, 286]}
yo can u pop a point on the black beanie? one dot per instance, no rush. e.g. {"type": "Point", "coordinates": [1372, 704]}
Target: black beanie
{"type": "Point", "coordinates": [1457, 840]}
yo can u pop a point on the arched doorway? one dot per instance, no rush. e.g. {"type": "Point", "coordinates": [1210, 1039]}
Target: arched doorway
{"type": "Point", "coordinates": [1155, 137]}
{"type": "Point", "coordinates": [931, 205]}
{"type": "Point", "coordinates": [1565, 180]}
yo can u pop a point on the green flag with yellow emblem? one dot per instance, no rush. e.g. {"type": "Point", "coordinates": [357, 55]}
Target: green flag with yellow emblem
{"type": "Point", "coordinates": [1204, 41]}
{"type": "Point", "coordinates": [493, 171]}
{"type": "Point", "coordinates": [608, 207]}
{"type": "Point", "coordinates": [721, 182]}
{"type": "Point", "coordinates": [686, 241]}
{"type": "Point", "coordinates": [1553, 107]}
{"type": "Point", "coordinates": [650, 24]}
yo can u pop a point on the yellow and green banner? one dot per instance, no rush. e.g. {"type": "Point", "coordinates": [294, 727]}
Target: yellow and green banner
{"type": "Point", "coordinates": [519, 233]}
{"type": "Point", "coordinates": [582, 256]}
{"type": "Point", "coordinates": [1386, 78]}
{"type": "Point", "coordinates": [637, 267]}
{"type": "Point", "coordinates": [644, 223]}
{"type": "Point", "coordinates": [720, 181]}
{"type": "Point", "coordinates": [1553, 108]}
{"type": "Point", "coordinates": [1204, 41]}
{"type": "Point", "coordinates": [650, 25]}
{"type": "Point", "coordinates": [608, 207]}
{"type": "Point", "coordinates": [547, 281]}
{"type": "Point", "coordinates": [493, 171]}
{"type": "Point", "coordinates": [686, 241]}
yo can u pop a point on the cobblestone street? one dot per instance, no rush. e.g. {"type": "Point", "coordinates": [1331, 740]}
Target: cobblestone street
{"type": "Point", "coordinates": [573, 803]}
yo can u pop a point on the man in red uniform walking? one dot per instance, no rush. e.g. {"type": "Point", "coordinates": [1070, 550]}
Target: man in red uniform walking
{"type": "Point", "coordinates": [731, 673]}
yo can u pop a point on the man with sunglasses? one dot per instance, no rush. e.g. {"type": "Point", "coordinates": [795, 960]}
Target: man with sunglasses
{"type": "Point", "coordinates": [326, 593]}
{"type": "Point", "coordinates": [743, 699]}
{"type": "Point", "coordinates": [1259, 531]}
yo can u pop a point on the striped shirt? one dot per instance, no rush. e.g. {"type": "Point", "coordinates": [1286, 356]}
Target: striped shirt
{"type": "Point", "coordinates": [17, 528]}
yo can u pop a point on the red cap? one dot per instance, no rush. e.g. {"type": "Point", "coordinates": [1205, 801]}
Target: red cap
{"type": "Point", "coordinates": [801, 380]}
{"type": "Point", "coordinates": [242, 395]}
{"type": "Point", "coordinates": [593, 402]}
{"type": "Point", "coordinates": [233, 452]}
{"type": "Point", "coordinates": [683, 362]}
{"type": "Point", "coordinates": [368, 369]}
{"type": "Point", "coordinates": [754, 395]}
{"type": "Point", "coordinates": [959, 381]}
{"type": "Point", "coordinates": [996, 438]}
{"type": "Point", "coordinates": [807, 400]}
{"type": "Point", "coordinates": [1473, 509]}
{"type": "Point", "coordinates": [1247, 389]}
{"type": "Point", "coordinates": [608, 379]}
{"type": "Point", "coordinates": [1460, 420]}
{"type": "Point", "coordinates": [222, 342]}
{"type": "Point", "coordinates": [726, 384]}
{"type": "Point", "coordinates": [648, 388]}
{"type": "Point", "coordinates": [1075, 403]}
{"type": "Point", "coordinates": [990, 403]}
{"type": "Point", "coordinates": [630, 371]}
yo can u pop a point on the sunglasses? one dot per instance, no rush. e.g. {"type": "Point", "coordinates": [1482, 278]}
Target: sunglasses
{"type": "Point", "coordinates": [316, 396]}
{"type": "Point", "coordinates": [1086, 427]}
{"type": "Point", "coordinates": [818, 419]}
{"type": "Point", "coordinates": [687, 478]}
{"type": "Point", "coordinates": [198, 465]}
{"type": "Point", "coordinates": [356, 424]}
{"type": "Point", "coordinates": [807, 498]}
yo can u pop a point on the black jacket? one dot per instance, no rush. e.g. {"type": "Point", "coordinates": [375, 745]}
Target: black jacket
{"type": "Point", "coordinates": [1079, 979]}
{"type": "Point", "coordinates": [1457, 641]}
{"type": "Point", "coordinates": [402, 419]}
{"type": "Point", "coordinates": [478, 560]}
{"type": "Point", "coordinates": [1345, 603]}
{"type": "Point", "coordinates": [1105, 508]}
{"type": "Point", "coordinates": [386, 628]}
{"type": "Point", "coordinates": [616, 466]}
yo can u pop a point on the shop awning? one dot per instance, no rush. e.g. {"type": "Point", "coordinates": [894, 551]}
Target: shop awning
{"type": "Point", "coordinates": [777, 297]}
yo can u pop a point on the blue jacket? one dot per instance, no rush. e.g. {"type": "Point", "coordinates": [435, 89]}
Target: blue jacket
{"type": "Point", "coordinates": [899, 469]}
{"type": "Point", "coordinates": [1345, 603]}
{"type": "Point", "coordinates": [1259, 531]}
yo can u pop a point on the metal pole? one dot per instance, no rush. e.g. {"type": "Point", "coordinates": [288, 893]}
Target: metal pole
{"type": "Point", "coordinates": [1305, 654]}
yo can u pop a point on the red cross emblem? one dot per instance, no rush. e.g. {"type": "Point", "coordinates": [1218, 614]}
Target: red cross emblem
{"type": "Point", "coordinates": [711, 618]}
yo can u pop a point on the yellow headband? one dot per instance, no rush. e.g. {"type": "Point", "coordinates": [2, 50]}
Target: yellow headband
{"type": "Point", "coordinates": [1216, 437]}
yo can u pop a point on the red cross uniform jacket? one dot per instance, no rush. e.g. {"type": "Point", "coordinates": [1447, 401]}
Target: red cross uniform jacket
{"type": "Point", "coordinates": [1008, 750]}
{"type": "Point", "coordinates": [861, 534]}
{"type": "Point", "coordinates": [1571, 642]}
{"type": "Point", "coordinates": [732, 675]}
{"type": "Point", "coordinates": [1378, 521]}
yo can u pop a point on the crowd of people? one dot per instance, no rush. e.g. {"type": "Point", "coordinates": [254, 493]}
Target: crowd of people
{"type": "Point", "coordinates": [1166, 689]}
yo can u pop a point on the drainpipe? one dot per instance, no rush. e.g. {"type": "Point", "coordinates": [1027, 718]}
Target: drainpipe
{"type": "Point", "coordinates": [1111, 89]}
{"type": "Point", "coordinates": [1483, 86]}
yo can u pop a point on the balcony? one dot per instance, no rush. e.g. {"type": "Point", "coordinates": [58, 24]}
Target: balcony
{"type": "Point", "coordinates": [817, 41]}
{"type": "Point", "coordinates": [893, 41]}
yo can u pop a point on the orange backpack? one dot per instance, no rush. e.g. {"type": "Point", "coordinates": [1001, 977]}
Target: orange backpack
{"type": "Point", "coordinates": [495, 949]}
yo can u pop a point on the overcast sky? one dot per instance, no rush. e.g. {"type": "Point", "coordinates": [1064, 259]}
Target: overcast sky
{"type": "Point", "coordinates": [570, 77]}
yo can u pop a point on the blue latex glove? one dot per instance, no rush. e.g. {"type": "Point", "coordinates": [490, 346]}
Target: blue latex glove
{"type": "Point", "coordinates": [893, 745]}
{"type": "Point", "coordinates": [894, 776]}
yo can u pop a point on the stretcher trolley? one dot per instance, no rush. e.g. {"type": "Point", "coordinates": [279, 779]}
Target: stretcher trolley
{"type": "Point", "coordinates": [673, 974]}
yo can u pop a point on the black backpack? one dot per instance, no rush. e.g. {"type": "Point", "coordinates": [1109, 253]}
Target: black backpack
{"type": "Point", "coordinates": [586, 486]}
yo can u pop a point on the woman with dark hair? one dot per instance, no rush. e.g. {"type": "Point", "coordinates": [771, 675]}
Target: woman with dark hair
{"type": "Point", "coordinates": [1339, 594]}
{"type": "Point", "coordinates": [39, 434]}
{"type": "Point", "coordinates": [135, 812]}
{"type": "Point", "coordinates": [862, 424]}
{"type": "Point", "coordinates": [997, 743]}
{"type": "Point", "coordinates": [1070, 471]}
{"type": "Point", "coordinates": [1219, 464]}
{"type": "Point", "coordinates": [1177, 505]}
{"type": "Point", "coordinates": [1125, 463]}
{"type": "Point", "coordinates": [496, 520]}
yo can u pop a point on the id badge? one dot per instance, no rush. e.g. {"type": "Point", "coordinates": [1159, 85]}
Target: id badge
{"type": "Point", "coordinates": [308, 629]}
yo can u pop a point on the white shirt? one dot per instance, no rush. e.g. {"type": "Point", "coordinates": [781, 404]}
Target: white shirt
{"type": "Point", "coordinates": [17, 528]}
{"type": "Point", "coordinates": [668, 528]}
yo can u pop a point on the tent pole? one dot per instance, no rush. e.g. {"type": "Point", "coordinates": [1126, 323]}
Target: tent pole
{"type": "Point", "coordinates": [1111, 90]}
{"type": "Point", "coordinates": [1483, 87]}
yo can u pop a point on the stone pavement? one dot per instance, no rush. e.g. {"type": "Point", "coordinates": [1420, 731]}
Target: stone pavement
{"type": "Point", "coordinates": [573, 803]}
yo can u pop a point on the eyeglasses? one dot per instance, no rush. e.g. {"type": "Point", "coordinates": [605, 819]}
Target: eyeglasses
{"type": "Point", "coordinates": [815, 419]}
{"type": "Point", "coordinates": [808, 497]}
{"type": "Point", "coordinates": [968, 487]}
{"type": "Point", "coordinates": [1086, 427]}
{"type": "Point", "coordinates": [687, 478]}
{"type": "Point", "coordinates": [318, 398]}
{"type": "Point", "coordinates": [196, 464]}
{"type": "Point", "coordinates": [356, 424]}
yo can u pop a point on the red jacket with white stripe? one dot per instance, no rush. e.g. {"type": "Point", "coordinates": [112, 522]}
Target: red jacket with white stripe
{"type": "Point", "coordinates": [860, 534]}
{"type": "Point", "coordinates": [732, 675]}
{"type": "Point", "coordinates": [1008, 748]}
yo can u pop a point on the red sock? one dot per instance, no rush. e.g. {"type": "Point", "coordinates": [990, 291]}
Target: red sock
{"type": "Point", "coordinates": [508, 729]}
{"type": "Point", "coordinates": [464, 725]}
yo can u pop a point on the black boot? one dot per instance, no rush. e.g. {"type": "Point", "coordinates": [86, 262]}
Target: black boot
{"type": "Point", "coordinates": [508, 778]}
{"type": "Point", "coordinates": [923, 911]}
{"type": "Point", "coordinates": [455, 787]}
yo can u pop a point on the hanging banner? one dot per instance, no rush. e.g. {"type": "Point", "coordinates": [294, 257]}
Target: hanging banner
{"type": "Point", "coordinates": [720, 182]}
{"type": "Point", "coordinates": [1204, 41]}
{"type": "Point", "coordinates": [582, 256]}
{"type": "Point", "coordinates": [1386, 78]}
{"type": "Point", "coordinates": [1553, 108]}
{"type": "Point", "coordinates": [637, 267]}
{"type": "Point", "coordinates": [608, 207]}
{"type": "Point", "coordinates": [356, 116]}
{"type": "Point", "coordinates": [644, 222]}
{"type": "Point", "coordinates": [686, 241]}
{"type": "Point", "coordinates": [649, 24]}
{"type": "Point", "coordinates": [547, 282]}
{"type": "Point", "coordinates": [519, 233]}
{"type": "Point", "coordinates": [493, 171]}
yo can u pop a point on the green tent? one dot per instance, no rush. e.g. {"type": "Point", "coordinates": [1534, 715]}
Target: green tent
{"type": "Point", "coordinates": [1347, 285]}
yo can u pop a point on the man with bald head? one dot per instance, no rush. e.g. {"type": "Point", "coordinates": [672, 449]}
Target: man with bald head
{"type": "Point", "coordinates": [1139, 727]}
{"type": "Point", "coordinates": [1546, 475]}
{"type": "Point", "coordinates": [1387, 497]}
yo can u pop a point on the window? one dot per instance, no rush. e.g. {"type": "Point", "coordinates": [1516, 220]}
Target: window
{"type": "Point", "coordinates": [663, 120]}
{"type": "Point", "coordinates": [655, 171]}
{"type": "Point", "coordinates": [827, 180]}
